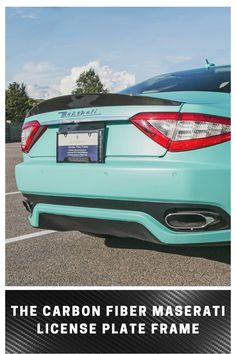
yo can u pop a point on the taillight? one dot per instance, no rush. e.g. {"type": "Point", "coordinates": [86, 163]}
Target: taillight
{"type": "Point", "coordinates": [31, 132]}
{"type": "Point", "coordinates": [183, 131]}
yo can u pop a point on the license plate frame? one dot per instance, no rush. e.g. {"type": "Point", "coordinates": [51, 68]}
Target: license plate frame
{"type": "Point", "coordinates": [89, 149]}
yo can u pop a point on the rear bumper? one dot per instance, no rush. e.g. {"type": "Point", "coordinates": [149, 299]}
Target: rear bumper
{"type": "Point", "coordinates": [130, 190]}
{"type": "Point", "coordinates": [198, 177]}
{"type": "Point", "coordinates": [145, 221]}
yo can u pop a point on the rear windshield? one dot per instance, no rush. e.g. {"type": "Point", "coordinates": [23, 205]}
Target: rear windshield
{"type": "Point", "coordinates": [212, 79]}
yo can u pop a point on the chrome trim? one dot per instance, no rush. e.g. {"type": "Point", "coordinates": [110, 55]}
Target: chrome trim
{"type": "Point", "coordinates": [85, 120]}
{"type": "Point", "coordinates": [208, 219]}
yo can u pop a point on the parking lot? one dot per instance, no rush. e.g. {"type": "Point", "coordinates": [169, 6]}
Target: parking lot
{"type": "Point", "coordinates": [72, 258]}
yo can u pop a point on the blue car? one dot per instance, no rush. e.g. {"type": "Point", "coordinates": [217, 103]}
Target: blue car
{"type": "Point", "coordinates": [151, 162]}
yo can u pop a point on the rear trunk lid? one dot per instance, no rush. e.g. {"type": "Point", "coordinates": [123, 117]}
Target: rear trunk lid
{"type": "Point", "coordinates": [122, 138]}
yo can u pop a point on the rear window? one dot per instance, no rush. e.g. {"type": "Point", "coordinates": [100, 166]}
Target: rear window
{"type": "Point", "coordinates": [212, 79]}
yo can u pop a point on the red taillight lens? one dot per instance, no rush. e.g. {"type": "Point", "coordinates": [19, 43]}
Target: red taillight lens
{"type": "Point", "coordinates": [183, 131]}
{"type": "Point", "coordinates": [31, 132]}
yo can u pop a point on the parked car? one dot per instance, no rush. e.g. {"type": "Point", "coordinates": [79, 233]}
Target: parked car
{"type": "Point", "coordinates": [151, 162]}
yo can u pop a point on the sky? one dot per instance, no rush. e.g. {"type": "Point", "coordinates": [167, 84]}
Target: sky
{"type": "Point", "coordinates": [48, 47]}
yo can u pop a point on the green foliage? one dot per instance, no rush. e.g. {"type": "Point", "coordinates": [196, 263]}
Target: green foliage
{"type": "Point", "coordinates": [18, 103]}
{"type": "Point", "coordinates": [89, 82]}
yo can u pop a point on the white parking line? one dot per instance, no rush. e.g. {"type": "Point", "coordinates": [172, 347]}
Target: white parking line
{"type": "Point", "coordinates": [10, 193]}
{"type": "Point", "coordinates": [25, 237]}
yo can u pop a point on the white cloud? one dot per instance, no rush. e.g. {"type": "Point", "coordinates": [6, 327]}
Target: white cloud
{"type": "Point", "coordinates": [42, 92]}
{"type": "Point", "coordinates": [40, 79]}
{"type": "Point", "coordinates": [44, 80]}
{"type": "Point", "coordinates": [41, 73]}
{"type": "Point", "coordinates": [112, 80]}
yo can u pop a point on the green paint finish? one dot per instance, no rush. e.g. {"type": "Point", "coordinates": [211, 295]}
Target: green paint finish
{"type": "Point", "coordinates": [192, 176]}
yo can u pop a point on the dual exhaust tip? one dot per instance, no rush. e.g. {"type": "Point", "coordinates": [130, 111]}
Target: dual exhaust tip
{"type": "Point", "coordinates": [191, 220]}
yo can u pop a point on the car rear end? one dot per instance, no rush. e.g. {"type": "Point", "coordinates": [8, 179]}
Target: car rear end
{"type": "Point", "coordinates": [146, 166]}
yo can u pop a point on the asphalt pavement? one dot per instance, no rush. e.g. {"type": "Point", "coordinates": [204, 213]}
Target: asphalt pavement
{"type": "Point", "coordinates": [72, 258]}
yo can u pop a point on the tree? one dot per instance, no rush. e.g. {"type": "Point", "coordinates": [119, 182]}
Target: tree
{"type": "Point", "coordinates": [18, 103]}
{"type": "Point", "coordinates": [89, 82]}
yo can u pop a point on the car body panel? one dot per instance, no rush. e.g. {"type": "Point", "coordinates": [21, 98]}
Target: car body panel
{"type": "Point", "coordinates": [193, 97]}
{"type": "Point", "coordinates": [214, 103]}
{"type": "Point", "coordinates": [174, 178]}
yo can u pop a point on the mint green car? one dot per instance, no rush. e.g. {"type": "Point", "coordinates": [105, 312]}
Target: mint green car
{"type": "Point", "coordinates": [151, 162]}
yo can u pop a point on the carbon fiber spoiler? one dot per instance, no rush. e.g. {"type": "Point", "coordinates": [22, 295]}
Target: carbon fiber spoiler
{"type": "Point", "coordinates": [97, 100]}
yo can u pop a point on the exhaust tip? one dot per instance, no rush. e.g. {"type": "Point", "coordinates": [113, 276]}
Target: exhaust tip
{"type": "Point", "coordinates": [28, 206]}
{"type": "Point", "coordinates": [191, 220]}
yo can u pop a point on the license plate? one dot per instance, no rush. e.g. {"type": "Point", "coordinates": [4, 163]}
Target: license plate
{"type": "Point", "coordinates": [80, 146]}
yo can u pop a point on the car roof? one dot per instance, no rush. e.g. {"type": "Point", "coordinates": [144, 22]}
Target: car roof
{"type": "Point", "coordinates": [200, 70]}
